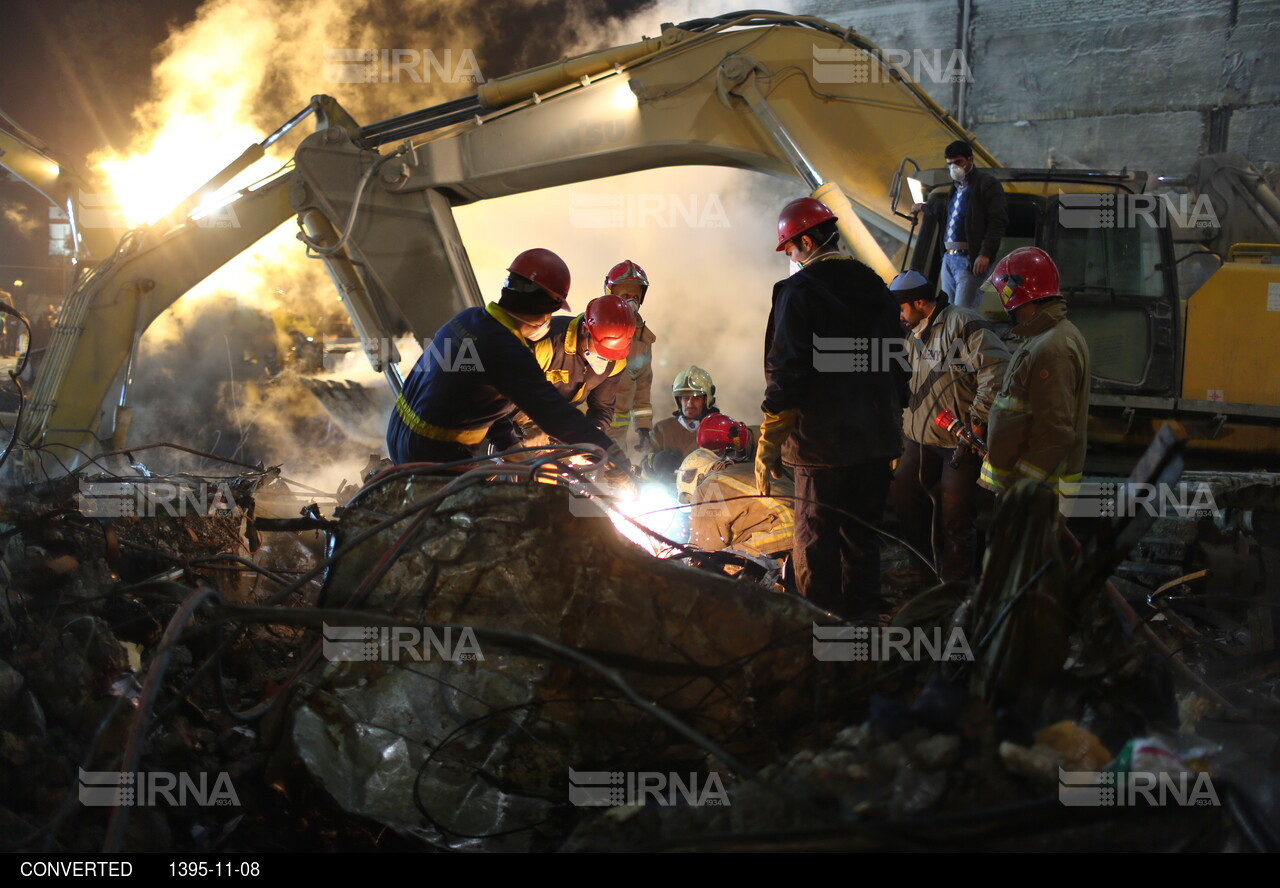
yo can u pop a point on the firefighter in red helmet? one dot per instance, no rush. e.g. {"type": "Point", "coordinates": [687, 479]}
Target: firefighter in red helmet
{"type": "Point", "coordinates": [481, 367]}
{"type": "Point", "coordinates": [1038, 422]}
{"type": "Point", "coordinates": [718, 482]}
{"type": "Point", "coordinates": [634, 403]}
{"type": "Point", "coordinates": [834, 419]}
{"type": "Point", "coordinates": [584, 357]}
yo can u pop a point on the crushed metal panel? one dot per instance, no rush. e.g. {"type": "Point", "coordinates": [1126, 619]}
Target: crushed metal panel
{"type": "Point", "coordinates": [446, 750]}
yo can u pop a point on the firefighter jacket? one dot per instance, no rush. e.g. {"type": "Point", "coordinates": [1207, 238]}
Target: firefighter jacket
{"type": "Point", "coordinates": [478, 369]}
{"type": "Point", "coordinates": [673, 439]}
{"type": "Point", "coordinates": [957, 361]}
{"type": "Point", "coordinates": [673, 433]}
{"type": "Point", "coordinates": [633, 400]}
{"type": "Point", "coordinates": [559, 354]}
{"type": "Point", "coordinates": [727, 513]}
{"type": "Point", "coordinates": [830, 349]}
{"type": "Point", "coordinates": [1038, 422]}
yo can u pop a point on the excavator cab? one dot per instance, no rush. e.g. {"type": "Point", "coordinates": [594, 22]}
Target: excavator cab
{"type": "Point", "coordinates": [1116, 275]}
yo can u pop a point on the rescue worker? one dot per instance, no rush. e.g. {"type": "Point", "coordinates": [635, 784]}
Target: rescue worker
{"type": "Point", "coordinates": [957, 362]}
{"type": "Point", "coordinates": [675, 437]}
{"type": "Point", "coordinates": [1039, 418]}
{"type": "Point", "coordinates": [633, 403]}
{"type": "Point", "coordinates": [584, 357]}
{"type": "Point", "coordinates": [480, 368]}
{"type": "Point", "coordinates": [718, 481]}
{"type": "Point", "coordinates": [836, 421]}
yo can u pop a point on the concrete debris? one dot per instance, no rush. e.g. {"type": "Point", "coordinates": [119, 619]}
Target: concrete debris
{"type": "Point", "coordinates": [490, 668]}
{"type": "Point", "coordinates": [402, 741]}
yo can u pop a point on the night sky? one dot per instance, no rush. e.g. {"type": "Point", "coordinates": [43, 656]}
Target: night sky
{"type": "Point", "coordinates": [73, 71]}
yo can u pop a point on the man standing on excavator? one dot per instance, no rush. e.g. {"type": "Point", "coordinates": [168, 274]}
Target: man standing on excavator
{"type": "Point", "coordinates": [835, 418]}
{"type": "Point", "coordinates": [973, 222]}
{"type": "Point", "coordinates": [480, 368]}
{"type": "Point", "coordinates": [628, 281]}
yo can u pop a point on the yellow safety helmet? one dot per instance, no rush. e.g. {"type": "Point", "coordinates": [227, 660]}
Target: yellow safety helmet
{"type": "Point", "coordinates": [696, 466]}
{"type": "Point", "coordinates": [693, 380]}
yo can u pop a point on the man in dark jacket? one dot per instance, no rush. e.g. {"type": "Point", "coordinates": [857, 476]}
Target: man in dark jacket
{"type": "Point", "coordinates": [836, 383]}
{"type": "Point", "coordinates": [480, 368]}
{"type": "Point", "coordinates": [973, 221]}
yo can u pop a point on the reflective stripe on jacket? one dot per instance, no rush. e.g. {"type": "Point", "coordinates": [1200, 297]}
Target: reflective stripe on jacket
{"type": "Point", "coordinates": [476, 370]}
{"type": "Point", "coordinates": [728, 513]}
{"type": "Point", "coordinates": [1039, 421]}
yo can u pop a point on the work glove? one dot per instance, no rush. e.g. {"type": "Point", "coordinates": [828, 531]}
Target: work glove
{"type": "Point", "coordinates": [620, 474]}
{"type": "Point", "coordinates": [774, 432]}
{"type": "Point", "coordinates": [643, 445]}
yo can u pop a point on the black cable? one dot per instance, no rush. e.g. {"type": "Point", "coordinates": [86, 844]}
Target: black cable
{"type": "Point", "coordinates": [504, 638]}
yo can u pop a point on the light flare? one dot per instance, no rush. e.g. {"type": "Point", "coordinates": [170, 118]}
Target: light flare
{"type": "Point", "coordinates": [185, 154]}
{"type": "Point", "coordinates": [655, 508]}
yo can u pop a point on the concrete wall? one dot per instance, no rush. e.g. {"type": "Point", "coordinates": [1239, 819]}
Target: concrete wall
{"type": "Point", "coordinates": [1097, 83]}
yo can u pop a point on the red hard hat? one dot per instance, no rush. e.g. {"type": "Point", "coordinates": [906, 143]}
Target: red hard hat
{"type": "Point", "coordinates": [719, 433]}
{"type": "Point", "coordinates": [1025, 275]}
{"type": "Point", "coordinates": [545, 269]}
{"type": "Point", "coordinates": [611, 324]}
{"type": "Point", "coordinates": [799, 216]}
{"type": "Point", "coordinates": [625, 271]}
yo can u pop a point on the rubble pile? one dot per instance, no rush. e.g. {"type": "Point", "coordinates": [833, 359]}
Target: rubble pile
{"type": "Point", "coordinates": [592, 629]}
{"type": "Point", "coordinates": [88, 602]}
{"type": "Point", "coordinates": [472, 663]}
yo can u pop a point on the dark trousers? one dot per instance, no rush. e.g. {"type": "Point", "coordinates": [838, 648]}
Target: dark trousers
{"type": "Point", "coordinates": [406, 446]}
{"type": "Point", "coordinates": [923, 470]}
{"type": "Point", "coordinates": [836, 557]}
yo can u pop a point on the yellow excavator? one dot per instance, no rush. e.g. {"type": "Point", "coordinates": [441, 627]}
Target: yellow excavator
{"type": "Point", "coordinates": [375, 203]}
{"type": "Point", "coordinates": [1173, 338]}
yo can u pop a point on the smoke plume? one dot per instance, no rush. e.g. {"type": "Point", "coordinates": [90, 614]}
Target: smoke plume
{"type": "Point", "coordinates": [705, 236]}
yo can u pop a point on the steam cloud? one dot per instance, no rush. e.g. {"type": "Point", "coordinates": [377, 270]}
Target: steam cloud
{"type": "Point", "coordinates": [242, 68]}
{"type": "Point", "coordinates": [17, 215]}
